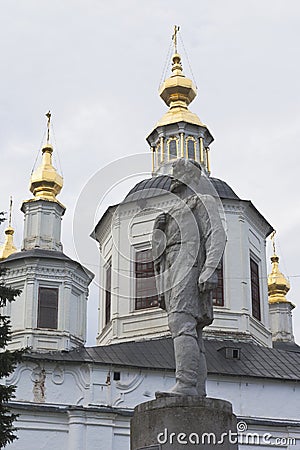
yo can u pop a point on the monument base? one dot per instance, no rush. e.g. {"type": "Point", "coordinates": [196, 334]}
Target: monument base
{"type": "Point", "coordinates": [175, 422]}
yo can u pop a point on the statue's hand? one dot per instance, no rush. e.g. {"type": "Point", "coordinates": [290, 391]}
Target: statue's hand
{"type": "Point", "coordinates": [157, 266]}
{"type": "Point", "coordinates": [160, 222]}
{"type": "Point", "coordinates": [208, 280]}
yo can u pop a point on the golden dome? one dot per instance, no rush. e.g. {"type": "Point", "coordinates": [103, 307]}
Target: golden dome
{"type": "Point", "coordinates": [178, 92]}
{"type": "Point", "coordinates": [8, 247]}
{"type": "Point", "coordinates": [45, 182]}
{"type": "Point", "coordinates": [278, 285]}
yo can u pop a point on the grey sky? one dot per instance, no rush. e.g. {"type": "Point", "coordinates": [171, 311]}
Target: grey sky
{"type": "Point", "coordinates": [97, 65]}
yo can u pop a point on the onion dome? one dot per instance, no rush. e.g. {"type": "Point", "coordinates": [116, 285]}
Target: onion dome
{"type": "Point", "coordinates": [178, 92]}
{"type": "Point", "coordinates": [45, 182]}
{"type": "Point", "coordinates": [278, 285]}
{"type": "Point", "coordinates": [8, 247]}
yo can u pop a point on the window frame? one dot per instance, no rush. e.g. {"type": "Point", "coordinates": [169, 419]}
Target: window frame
{"type": "Point", "coordinates": [176, 140]}
{"type": "Point", "coordinates": [43, 306]}
{"type": "Point", "coordinates": [220, 287]}
{"type": "Point", "coordinates": [255, 287]}
{"type": "Point", "coordinates": [107, 292]}
{"type": "Point", "coordinates": [193, 140]}
{"type": "Point", "coordinates": [150, 301]}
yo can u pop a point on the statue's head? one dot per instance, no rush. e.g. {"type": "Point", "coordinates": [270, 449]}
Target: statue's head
{"type": "Point", "coordinates": [185, 172]}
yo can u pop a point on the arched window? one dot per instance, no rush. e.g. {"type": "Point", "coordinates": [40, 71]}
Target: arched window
{"type": "Point", "coordinates": [173, 148]}
{"type": "Point", "coordinates": [191, 148]}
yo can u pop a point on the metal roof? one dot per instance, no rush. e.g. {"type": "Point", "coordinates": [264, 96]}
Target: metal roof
{"type": "Point", "coordinates": [154, 186]}
{"type": "Point", "coordinates": [47, 254]}
{"type": "Point", "coordinates": [255, 360]}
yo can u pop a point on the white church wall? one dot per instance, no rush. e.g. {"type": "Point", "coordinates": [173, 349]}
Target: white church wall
{"type": "Point", "coordinates": [80, 407]}
{"type": "Point", "coordinates": [40, 429]}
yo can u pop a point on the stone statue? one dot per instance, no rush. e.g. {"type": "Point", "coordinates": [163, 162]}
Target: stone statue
{"type": "Point", "coordinates": [188, 244]}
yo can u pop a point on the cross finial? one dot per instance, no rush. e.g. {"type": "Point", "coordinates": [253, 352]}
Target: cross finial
{"type": "Point", "coordinates": [174, 37]}
{"type": "Point", "coordinates": [48, 115]}
{"type": "Point", "coordinates": [10, 211]}
{"type": "Point", "coordinates": [273, 241]}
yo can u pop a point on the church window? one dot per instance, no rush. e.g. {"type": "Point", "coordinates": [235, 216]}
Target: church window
{"type": "Point", "coordinates": [190, 148]}
{"type": "Point", "coordinates": [218, 292]}
{"type": "Point", "coordinates": [255, 294]}
{"type": "Point", "coordinates": [173, 148]}
{"type": "Point", "coordinates": [47, 308]}
{"type": "Point", "coordinates": [108, 293]}
{"type": "Point", "coordinates": [146, 293]}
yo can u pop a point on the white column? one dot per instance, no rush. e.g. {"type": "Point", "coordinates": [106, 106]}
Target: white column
{"type": "Point", "coordinates": [77, 430]}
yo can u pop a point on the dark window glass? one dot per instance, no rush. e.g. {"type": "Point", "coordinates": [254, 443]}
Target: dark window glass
{"type": "Point", "coordinates": [173, 149]}
{"type": "Point", "coordinates": [146, 293]}
{"type": "Point", "coordinates": [255, 295]}
{"type": "Point", "coordinates": [191, 149]}
{"type": "Point", "coordinates": [218, 293]}
{"type": "Point", "coordinates": [47, 308]}
{"type": "Point", "coordinates": [108, 293]}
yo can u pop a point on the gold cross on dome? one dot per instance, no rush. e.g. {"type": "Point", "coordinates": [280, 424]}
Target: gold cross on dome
{"type": "Point", "coordinates": [273, 241]}
{"type": "Point", "coordinates": [10, 211]}
{"type": "Point", "coordinates": [48, 115]}
{"type": "Point", "coordinates": [174, 37]}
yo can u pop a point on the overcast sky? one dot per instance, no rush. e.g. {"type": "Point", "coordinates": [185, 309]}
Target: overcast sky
{"type": "Point", "coordinates": [97, 65]}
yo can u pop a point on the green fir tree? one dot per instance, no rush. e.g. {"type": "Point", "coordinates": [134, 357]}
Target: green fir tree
{"type": "Point", "coordinates": [8, 361]}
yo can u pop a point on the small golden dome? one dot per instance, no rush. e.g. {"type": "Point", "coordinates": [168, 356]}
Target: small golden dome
{"type": "Point", "coordinates": [278, 285]}
{"type": "Point", "coordinates": [45, 182]}
{"type": "Point", "coordinates": [8, 247]}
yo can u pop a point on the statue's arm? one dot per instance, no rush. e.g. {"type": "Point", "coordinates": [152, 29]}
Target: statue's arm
{"type": "Point", "coordinates": [158, 241]}
{"type": "Point", "coordinates": [214, 237]}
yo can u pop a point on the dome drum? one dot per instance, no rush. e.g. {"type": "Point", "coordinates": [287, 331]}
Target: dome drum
{"type": "Point", "coordinates": [179, 140]}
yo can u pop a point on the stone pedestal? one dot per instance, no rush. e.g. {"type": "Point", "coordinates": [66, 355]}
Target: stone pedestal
{"type": "Point", "coordinates": [172, 423]}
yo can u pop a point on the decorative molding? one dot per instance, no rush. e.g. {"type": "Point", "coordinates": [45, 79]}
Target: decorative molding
{"type": "Point", "coordinates": [15, 377]}
{"type": "Point", "coordinates": [33, 273]}
{"type": "Point", "coordinates": [81, 379]}
{"type": "Point", "coordinates": [131, 386]}
{"type": "Point", "coordinates": [58, 375]}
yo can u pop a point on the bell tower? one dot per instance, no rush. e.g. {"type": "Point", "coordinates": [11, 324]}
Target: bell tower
{"type": "Point", "coordinates": [50, 314]}
{"type": "Point", "coordinates": [43, 213]}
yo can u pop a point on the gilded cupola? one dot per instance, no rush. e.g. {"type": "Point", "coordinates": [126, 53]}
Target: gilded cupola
{"type": "Point", "coordinates": [8, 248]}
{"type": "Point", "coordinates": [278, 285]}
{"type": "Point", "coordinates": [45, 182]}
{"type": "Point", "coordinates": [178, 92]}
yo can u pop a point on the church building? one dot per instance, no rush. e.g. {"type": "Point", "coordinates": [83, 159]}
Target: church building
{"type": "Point", "coordinates": [81, 398]}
